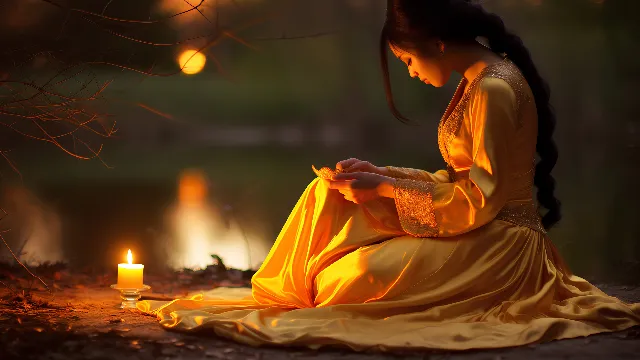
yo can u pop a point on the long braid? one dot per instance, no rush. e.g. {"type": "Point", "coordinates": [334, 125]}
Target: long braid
{"type": "Point", "coordinates": [503, 41]}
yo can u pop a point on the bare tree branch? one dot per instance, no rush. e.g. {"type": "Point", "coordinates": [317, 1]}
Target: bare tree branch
{"type": "Point", "coordinates": [61, 101]}
{"type": "Point", "coordinates": [132, 21]}
{"type": "Point", "coordinates": [15, 293]}
{"type": "Point", "coordinates": [23, 265]}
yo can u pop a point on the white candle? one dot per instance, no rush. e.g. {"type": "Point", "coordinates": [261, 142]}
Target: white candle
{"type": "Point", "coordinates": [130, 275]}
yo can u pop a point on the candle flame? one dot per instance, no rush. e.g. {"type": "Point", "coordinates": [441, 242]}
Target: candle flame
{"type": "Point", "coordinates": [129, 257]}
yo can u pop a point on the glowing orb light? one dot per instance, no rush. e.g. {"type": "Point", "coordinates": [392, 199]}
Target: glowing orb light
{"type": "Point", "coordinates": [191, 61]}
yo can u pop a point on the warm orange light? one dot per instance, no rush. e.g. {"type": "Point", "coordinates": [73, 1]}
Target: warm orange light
{"type": "Point", "coordinates": [129, 257]}
{"type": "Point", "coordinates": [201, 229]}
{"type": "Point", "coordinates": [191, 61]}
{"type": "Point", "coordinates": [192, 188]}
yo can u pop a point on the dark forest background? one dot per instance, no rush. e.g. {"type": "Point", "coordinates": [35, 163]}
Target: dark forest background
{"type": "Point", "coordinates": [286, 85]}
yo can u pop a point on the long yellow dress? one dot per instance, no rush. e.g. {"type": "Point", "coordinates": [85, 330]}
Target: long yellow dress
{"type": "Point", "coordinates": [459, 259]}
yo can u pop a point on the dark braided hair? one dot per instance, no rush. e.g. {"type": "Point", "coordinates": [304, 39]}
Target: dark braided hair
{"type": "Point", "coordinates": [410, 22]}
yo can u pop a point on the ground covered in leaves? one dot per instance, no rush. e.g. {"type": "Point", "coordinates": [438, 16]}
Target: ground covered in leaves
{"type": "Point", "coordinates": [80, 319]}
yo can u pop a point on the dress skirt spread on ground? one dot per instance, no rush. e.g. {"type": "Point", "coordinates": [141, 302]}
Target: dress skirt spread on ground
{"type": "Point", "coordinates": [458, 260]}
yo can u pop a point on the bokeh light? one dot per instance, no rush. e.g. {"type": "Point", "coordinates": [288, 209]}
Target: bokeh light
{"type": "Point", "coordinates": [191, 61]}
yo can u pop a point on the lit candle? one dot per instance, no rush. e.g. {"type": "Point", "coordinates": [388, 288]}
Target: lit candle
{"type": "Point", "coordinates": [130, 275]}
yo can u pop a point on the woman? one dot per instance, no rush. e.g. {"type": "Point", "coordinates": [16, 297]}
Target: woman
{"type": "Point", "coordinates": [396, 258]}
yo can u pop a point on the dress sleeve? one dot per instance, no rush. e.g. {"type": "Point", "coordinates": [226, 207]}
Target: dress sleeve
{"type": "Point", "coordinates": [440, 176]}
{"type": "Point", "coordinates": [433, 209]}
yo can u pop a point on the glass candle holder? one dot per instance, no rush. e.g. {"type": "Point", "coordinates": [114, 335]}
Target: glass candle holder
{"type": "Point", "coordinates": [130, 296]}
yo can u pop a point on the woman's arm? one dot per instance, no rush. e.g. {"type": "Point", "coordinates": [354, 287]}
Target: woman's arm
{"type": "Point", "coordinates": [355, 165]}
{"type": "Point", "coordinates": [440, 176]}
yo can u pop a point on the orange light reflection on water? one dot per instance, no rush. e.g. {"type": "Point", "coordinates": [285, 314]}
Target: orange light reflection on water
{"type": "Point", "coordinates": [201, 230]}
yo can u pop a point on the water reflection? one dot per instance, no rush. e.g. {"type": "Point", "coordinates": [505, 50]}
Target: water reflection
{"type": "Point", "coordinates": [201, 229]}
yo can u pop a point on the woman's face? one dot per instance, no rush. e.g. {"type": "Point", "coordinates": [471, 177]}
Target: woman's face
{"type": "Point", "coordinates": [426, 65]}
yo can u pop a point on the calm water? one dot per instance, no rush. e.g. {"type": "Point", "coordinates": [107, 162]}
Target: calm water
{"type": "Point", "coordinates": [104, 210]}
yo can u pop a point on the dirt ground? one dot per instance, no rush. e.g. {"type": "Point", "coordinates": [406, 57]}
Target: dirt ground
{"type": "Point", "coordinates": [80, 319]}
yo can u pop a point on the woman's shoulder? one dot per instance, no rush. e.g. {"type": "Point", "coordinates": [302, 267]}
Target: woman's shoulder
{"type": "Point", "coordinates": [504, 81]}
{"type": "Point", "coordinates": [494, 86]}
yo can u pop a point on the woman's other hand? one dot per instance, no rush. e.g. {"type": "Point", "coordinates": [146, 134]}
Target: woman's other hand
{"type": "Point", "coordinates": [356, 165]}
{"type": "Point", "coordinates": [361, 187]}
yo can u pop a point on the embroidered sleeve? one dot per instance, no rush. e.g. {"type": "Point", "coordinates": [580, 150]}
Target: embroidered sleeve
{"type": "Point", "coordinates": [414, 203]}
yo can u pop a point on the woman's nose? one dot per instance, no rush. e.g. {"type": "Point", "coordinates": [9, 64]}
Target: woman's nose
{"type": "Point", "coordinates": [413, 73]}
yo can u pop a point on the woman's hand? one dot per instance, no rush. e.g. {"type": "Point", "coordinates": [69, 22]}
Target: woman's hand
{"type": "Point", "coordinates": [361, 187]}
{"type": "Point", "coordinates": [356, 165]}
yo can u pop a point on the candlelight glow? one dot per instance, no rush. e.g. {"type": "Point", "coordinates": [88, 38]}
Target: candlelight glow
{"type": "Point", "coordinates": [191, 61]}
{"type": "Point", "coordinates": [129, 257]}
{"type": "Point", "coordinates": [200, 230]}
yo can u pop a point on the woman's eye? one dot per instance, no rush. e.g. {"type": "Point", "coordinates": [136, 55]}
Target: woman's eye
{"type": "Point", "coordinates": [409, 62]}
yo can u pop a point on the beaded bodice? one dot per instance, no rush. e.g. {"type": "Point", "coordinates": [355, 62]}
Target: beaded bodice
{"type": "Point", "coordinates": [521, 209]}
{"type": "Point", "coordinates": [454, 114]}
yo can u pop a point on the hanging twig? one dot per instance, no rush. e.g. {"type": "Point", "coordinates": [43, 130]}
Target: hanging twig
{"type": "Point", "coordinates": [15, 293]}
{"type": "Point", "coordinates": [23, 265]}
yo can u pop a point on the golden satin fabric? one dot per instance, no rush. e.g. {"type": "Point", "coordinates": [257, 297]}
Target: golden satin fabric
{"type": "Point", "coordinates": [457, 261]}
